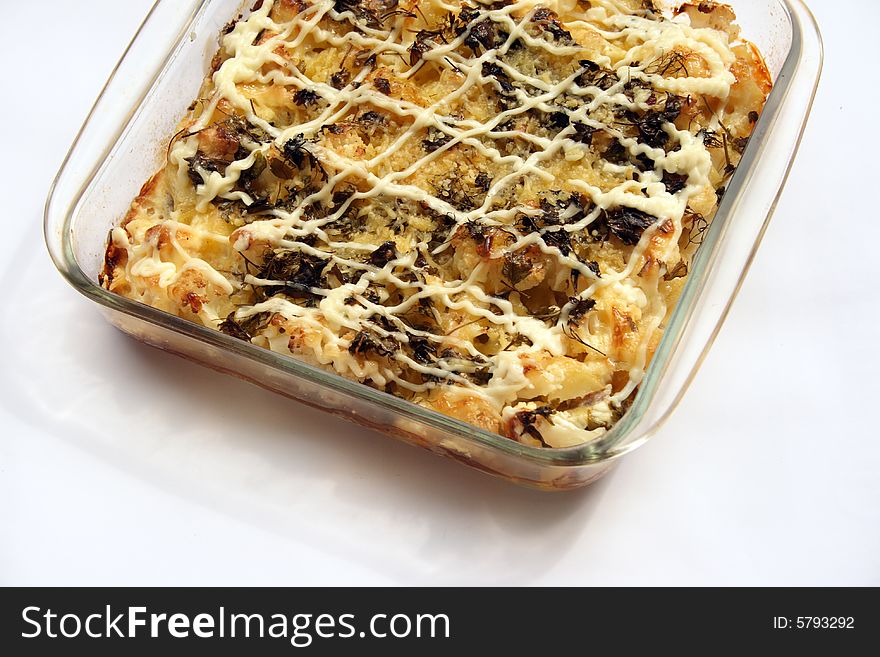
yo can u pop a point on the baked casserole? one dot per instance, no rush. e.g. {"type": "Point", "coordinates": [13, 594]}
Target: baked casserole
{"type": "Point", "coordinates": [488, 209]}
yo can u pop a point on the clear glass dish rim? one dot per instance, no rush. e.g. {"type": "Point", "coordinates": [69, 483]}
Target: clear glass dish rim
{"type": "Point", "coordinates": [610, 446]}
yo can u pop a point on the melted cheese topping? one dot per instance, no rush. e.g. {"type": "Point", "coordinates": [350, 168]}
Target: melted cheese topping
{"type": "Point", "coordinates": [488, 209]}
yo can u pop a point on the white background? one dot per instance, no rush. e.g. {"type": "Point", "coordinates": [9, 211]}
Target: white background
{"type": "Point", "coordinates": [769, 472]}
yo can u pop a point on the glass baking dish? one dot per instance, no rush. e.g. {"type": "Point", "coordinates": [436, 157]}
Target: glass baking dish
{"type": "Point", "coordinates": [122, 143]}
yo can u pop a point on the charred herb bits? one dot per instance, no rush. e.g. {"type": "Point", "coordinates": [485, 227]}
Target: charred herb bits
{"type": "Point", "coordinates": [627, 224]}
{"type": "Point", "coordinates": [293, 274]}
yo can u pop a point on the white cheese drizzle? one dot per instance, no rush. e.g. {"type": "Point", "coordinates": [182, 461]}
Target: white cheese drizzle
{"type": "Point", "coordinates": [255, 59]}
